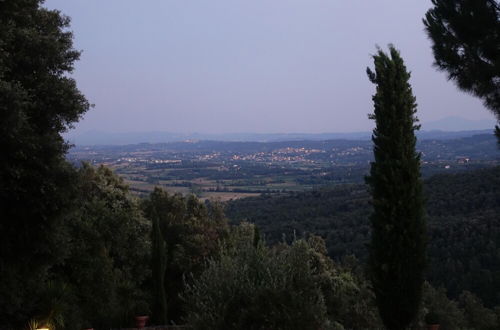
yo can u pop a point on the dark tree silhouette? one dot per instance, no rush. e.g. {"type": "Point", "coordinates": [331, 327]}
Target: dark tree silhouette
{"type": "Point", "coordinates": [466, 44]}
{"type": "Point", "coordinates": [397, 249]}
{"type": "Point", "coordinates": [158, 259]}
{"type": "Point", "coordinates": [38, 101]}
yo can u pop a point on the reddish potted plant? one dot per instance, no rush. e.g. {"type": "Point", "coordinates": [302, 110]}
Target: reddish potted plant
{"type": "Point", "coordinates": [141, 314]}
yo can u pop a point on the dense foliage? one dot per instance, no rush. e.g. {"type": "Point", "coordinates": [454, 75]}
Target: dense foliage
{"type": "Point", "coordinates": [107, 244]}
{"type": "Point", "coordinates": [466, 44]}
{"type": "Point", "coordinates": [191, 232]}
{"type": "Point", "coordinates": [465, 234]}
{"type": "Point", "coordinates": [38, 101]}
{"type": "Point", "coordinates": [461, 210]}
{"type": "Point", "coordinates": [252, 286]}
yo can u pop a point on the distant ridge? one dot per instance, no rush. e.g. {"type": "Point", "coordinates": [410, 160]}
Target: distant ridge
{"type": "Point", "coordinates": [458, 124]}
{"type": "Point", "coordinates": [446, 128]}
{"type": "Point", "coordinates": [105, 138]}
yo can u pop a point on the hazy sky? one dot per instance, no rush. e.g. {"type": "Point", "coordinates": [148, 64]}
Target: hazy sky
{"type": "Point", "coordinates": [220, 66]}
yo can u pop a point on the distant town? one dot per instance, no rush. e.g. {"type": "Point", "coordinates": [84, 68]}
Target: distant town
{"type": "Point", "coordinates": [228, 170]}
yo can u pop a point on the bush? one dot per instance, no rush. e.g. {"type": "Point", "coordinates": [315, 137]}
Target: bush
{"type": "Point", "coordinates": [441, 310]}
{"type": "Point", "coordinates": [252, 286]}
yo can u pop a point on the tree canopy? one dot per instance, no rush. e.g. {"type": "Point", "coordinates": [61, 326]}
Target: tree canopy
{"type": "Point", "coordinates": [466, 45]}
{"type": "Point", "coordinates": [191, 232]}
{"type": "Point", "coordinates": [38, 101]}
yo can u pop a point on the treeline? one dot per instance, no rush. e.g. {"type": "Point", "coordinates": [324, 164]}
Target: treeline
{"type": "Point", "coordinates": [242, 170]}
{"type": "Point", "coordinates": [461, 209]}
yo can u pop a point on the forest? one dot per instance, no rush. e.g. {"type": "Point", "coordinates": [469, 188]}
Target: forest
{"type": "Point", "coordinates": [461, 210]}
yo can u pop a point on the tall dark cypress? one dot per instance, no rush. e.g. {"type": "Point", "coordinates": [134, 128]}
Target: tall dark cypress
{"type": "Point", "coordinates": [158, 267]}
{"type": "Point", "coordinates": [397, 249]}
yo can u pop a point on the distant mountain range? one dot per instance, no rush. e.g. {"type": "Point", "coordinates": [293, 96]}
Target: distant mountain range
{"type": "Point", "coordinates": [458, 124]}
{"type": "Point", "coordinates": [105, 138]}
{"type": "Point", "coordinates": [446, 128]}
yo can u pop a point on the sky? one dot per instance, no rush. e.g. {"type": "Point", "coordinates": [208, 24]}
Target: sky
{"type": "Point", "coordinates": [262, 66]}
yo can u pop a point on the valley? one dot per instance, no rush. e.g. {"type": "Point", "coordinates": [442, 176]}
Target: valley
{"type": "Point", "coordinates": [230, 170]}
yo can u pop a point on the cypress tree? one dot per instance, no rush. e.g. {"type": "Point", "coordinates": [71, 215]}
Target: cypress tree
{"type": "Point", "coordinates": [158, 263]}
{"type": "Point", "coordinates": [397, 249]}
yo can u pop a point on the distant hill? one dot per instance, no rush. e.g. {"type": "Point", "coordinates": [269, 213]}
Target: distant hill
{"type": "Point", "coordinates": [106, 138]}
{"type": "Point", "coordinates": [458, 124]}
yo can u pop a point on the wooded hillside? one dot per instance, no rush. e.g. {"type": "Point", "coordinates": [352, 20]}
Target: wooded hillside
{"type": "Point", "coordinates": [462, 212]}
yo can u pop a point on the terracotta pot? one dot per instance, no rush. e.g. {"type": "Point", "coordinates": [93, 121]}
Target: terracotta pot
{"type": "Point", "coordinates": [433, 327]}
{"type": "Point", "coordinates": [140, 321]}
